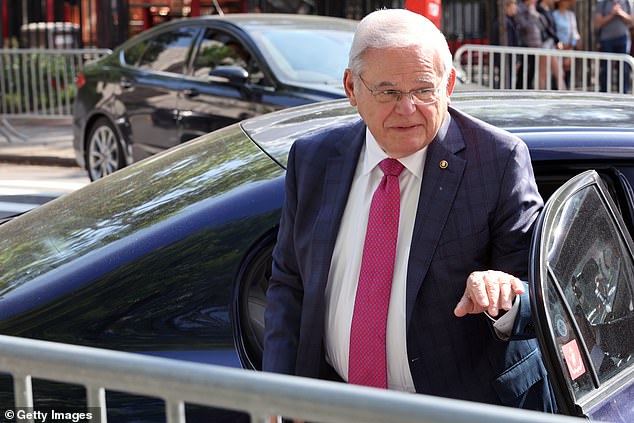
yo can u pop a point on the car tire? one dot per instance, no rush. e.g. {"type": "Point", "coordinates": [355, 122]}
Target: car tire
{"type": "Point", "coordinates": [251, 303]}
{"type": "Point", "coordinates": [104, 150]}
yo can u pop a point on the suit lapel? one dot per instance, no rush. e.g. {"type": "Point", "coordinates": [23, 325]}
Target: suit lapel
{"type": "Point", "coordinates": [441, 179]}
{"type": "Point", "coordinates": [340, 170]}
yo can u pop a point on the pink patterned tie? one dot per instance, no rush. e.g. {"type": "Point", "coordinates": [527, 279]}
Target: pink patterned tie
{"type": "Point", "coordinates": [367, 363]}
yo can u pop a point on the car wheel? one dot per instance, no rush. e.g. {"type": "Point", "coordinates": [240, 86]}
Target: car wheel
{"type": "Point", "coordinates": [104, 151]}
{"type": "Point", "coordinates": [252, 303]}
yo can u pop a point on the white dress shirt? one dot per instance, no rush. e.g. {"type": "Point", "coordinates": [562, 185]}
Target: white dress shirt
{"type": "Point", "coordinates": [346, 264]}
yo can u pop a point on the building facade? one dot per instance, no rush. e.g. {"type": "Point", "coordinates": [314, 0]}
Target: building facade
{"type": "Point", "coordinates": [107, 23]}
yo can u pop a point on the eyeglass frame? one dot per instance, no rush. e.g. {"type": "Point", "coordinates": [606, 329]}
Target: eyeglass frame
{"type": "Point", "coordinates": [399, 94]}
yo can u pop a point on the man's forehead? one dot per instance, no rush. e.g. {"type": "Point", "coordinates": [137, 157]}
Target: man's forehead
{"type": "Point", "coordinates": [417, 64]}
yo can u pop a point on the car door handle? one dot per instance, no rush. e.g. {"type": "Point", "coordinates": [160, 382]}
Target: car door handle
{"type": "Point", "coordinates": [190, 92]}
{"type": "Point", "coordinates": [125, 83]}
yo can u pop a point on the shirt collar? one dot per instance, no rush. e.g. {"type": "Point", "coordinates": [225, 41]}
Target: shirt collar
{"type": "Point", "coordinates": [443, 130]}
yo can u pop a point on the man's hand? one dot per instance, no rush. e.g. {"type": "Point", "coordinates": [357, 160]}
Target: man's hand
{"type": "Point", "coordinates": [488, 291]}
{"type": "Point", "coordinates": [617, 9]}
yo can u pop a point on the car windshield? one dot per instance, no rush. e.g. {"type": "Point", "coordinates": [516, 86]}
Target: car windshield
{"type": "Point", "coordinates": [306, 56]}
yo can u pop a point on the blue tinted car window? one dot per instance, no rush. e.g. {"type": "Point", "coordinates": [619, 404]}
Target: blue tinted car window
{"type": "Point", "coordinates": [168, 51]}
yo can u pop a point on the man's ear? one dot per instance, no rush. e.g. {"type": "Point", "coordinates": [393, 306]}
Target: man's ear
{"type": "Point", "coordinates": [348, 85]}
{"type": "Point", "coordinates": [451, 82]}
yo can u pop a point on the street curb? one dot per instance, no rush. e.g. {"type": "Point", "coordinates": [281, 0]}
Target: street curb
{"type": "Point", "coordinates": [38, 160]}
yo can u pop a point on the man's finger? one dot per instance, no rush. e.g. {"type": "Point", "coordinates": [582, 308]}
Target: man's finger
{"type": "Point", "coordinates": [463, 307]}
{"type": "Point", "coordinates": [492, 284]}
{"type": "Point", "coordinates": [506, 294]}
{"type": "Point", "coordinates": [518, 286]}
{"type": "Point", "coordinates": [477, 289]}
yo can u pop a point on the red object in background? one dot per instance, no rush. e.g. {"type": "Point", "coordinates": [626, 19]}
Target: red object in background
{"type": "Point", "coordinates": [147, 18]}
{"type": "Point", "coordinates": [195, 5]}
{"type": "Point", "coordinates": [50, 11]}
{"type": "Point", "coordinates": [81, 80]}
{"type": "Point", "coordinates": [5, 21]}
{"type": "Point", "coordinates": [431, 9]}
{"type": "Point", "coordinates": [68, 15]}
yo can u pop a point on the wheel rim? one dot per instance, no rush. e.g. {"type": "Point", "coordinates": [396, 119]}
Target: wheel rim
{"type": "Point", "coordinates": [103, 152]}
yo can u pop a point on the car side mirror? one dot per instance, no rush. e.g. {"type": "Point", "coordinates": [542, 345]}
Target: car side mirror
{"type": "Point", "coordinates": [231, 74]}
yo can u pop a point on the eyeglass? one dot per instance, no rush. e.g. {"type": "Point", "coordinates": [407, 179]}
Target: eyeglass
{"type": "Point", "coordinates": [420, 96]}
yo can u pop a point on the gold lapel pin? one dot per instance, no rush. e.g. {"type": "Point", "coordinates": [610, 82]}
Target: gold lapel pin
{"type": "Point", "coordinates": [444, 164]}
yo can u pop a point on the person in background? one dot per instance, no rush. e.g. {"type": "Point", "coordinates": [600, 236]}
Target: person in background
{"type": "Point", "coordinates": [612, 21]}
{"type": "Point", "coordinates": [404, 235]}
{"type": "Point", "coordinates": [566, 24]}
{"type": "Point", "coordinates": [550, 40]}
{"type": "Point", "coordinates": [512, 39]}
{"type": "Point", "coordinates": [530, 26]}
{"type": "Point", "coordinates": [512, 34]}
{"type": "Point", "coordinates": [567, 31]}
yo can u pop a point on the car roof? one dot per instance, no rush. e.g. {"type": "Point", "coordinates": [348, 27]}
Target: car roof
{"type": "Point", "coordinates": [257, 22]}
{"type": "Point", "coordinates": [280, 20]}
{"type": "Point", "coordinates": [554, 125]}
{"type": "Point", "coordinates": [553, 110]}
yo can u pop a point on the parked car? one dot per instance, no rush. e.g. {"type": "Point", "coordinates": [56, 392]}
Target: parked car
{"type": "Point", "coordinates": [171, 256]}
{"type": "Point", "coordinates": [188, 77]}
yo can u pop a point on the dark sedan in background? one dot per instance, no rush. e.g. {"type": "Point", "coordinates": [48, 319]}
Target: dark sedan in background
{"type": "Point", "coordinates": [186, 78]}
{"type": "Point", "coordinates": [171, 256]}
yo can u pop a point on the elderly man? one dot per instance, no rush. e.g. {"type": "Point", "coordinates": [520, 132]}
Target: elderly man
{"type": "Point", "coordinates": [381, 273]}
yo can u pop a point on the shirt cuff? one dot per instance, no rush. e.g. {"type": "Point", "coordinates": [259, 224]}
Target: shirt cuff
{"type": "Point", "coordinates": [503, 326]}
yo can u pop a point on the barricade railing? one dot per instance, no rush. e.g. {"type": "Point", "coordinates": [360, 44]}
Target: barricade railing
{"type": "Point", "coordinates": [258, 394]}
{"type": "Point", "coordinates": [521, 68]}
{"type": "Point", "coordinates": [41, 83]}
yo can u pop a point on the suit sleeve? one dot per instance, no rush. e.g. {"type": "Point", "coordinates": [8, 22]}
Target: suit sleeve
{"type": "Point", "coordinates": [519, 206]}
{"type": "Point", "coordinates": [285, 291]}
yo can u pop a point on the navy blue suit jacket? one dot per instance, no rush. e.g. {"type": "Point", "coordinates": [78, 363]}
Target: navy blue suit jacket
{"type": "Point", "coordinates": [476, 213]}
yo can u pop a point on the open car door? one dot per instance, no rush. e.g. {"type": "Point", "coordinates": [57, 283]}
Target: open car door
{"type": "Point", "coordinates": [582, 299]}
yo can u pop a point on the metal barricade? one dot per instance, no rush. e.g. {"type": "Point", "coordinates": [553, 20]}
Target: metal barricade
{"type": "Point", "coordinates": [41, 82]}
{"type": "Point", "coordinates": [520, 68]}
{"type": "Point", "coordinates": [258, 394]}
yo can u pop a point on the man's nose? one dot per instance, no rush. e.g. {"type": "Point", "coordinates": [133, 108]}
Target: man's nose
{"type": "Point", "coordinates": [405, 105]}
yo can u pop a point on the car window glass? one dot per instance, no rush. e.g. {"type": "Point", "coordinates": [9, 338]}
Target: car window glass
{"type": "Point", "coordinates": [219, 49]}
{"type": "Point", "coordinates": [589, 259]}
{"type": "Point", "coordinates": [579, 372]}
{"type": "Point", "coordinates": [306, 56]}
{"type": "Point", "coordinates": [167, 52]}
{"type": "Point", "coordinates": [133, 53]}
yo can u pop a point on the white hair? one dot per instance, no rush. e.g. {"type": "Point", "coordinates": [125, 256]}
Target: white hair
{"type": "Point", "coordinates": [397, 28]}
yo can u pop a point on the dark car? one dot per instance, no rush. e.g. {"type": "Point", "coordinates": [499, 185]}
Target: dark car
{"type": "Point", "coordinates": [189, 77]}
{"type": "Point", "coordinates": [171, 256]}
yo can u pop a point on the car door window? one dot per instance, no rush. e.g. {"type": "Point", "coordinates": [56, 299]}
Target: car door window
{"type": "Point", "coordinates": [220, 49]}
{"type": "Point", "coordinates": [583, 283]}
{"type": "Point", "coordinates": [167, 52]}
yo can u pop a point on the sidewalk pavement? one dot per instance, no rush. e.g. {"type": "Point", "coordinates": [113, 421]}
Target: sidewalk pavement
{"type": "Point", "coordinates": [45, 142]}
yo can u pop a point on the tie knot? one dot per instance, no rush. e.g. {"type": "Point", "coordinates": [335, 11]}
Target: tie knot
{"type": "Point", "coordinates": [391, 167]}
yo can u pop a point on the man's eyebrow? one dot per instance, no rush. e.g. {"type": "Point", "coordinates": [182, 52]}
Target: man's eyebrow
{"type": "Point", "coordinates": [425, 80]}
{"type": "Point", "coordinates": [384, 84]}
{"type": "Point", "coordinates": [422, 80]}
